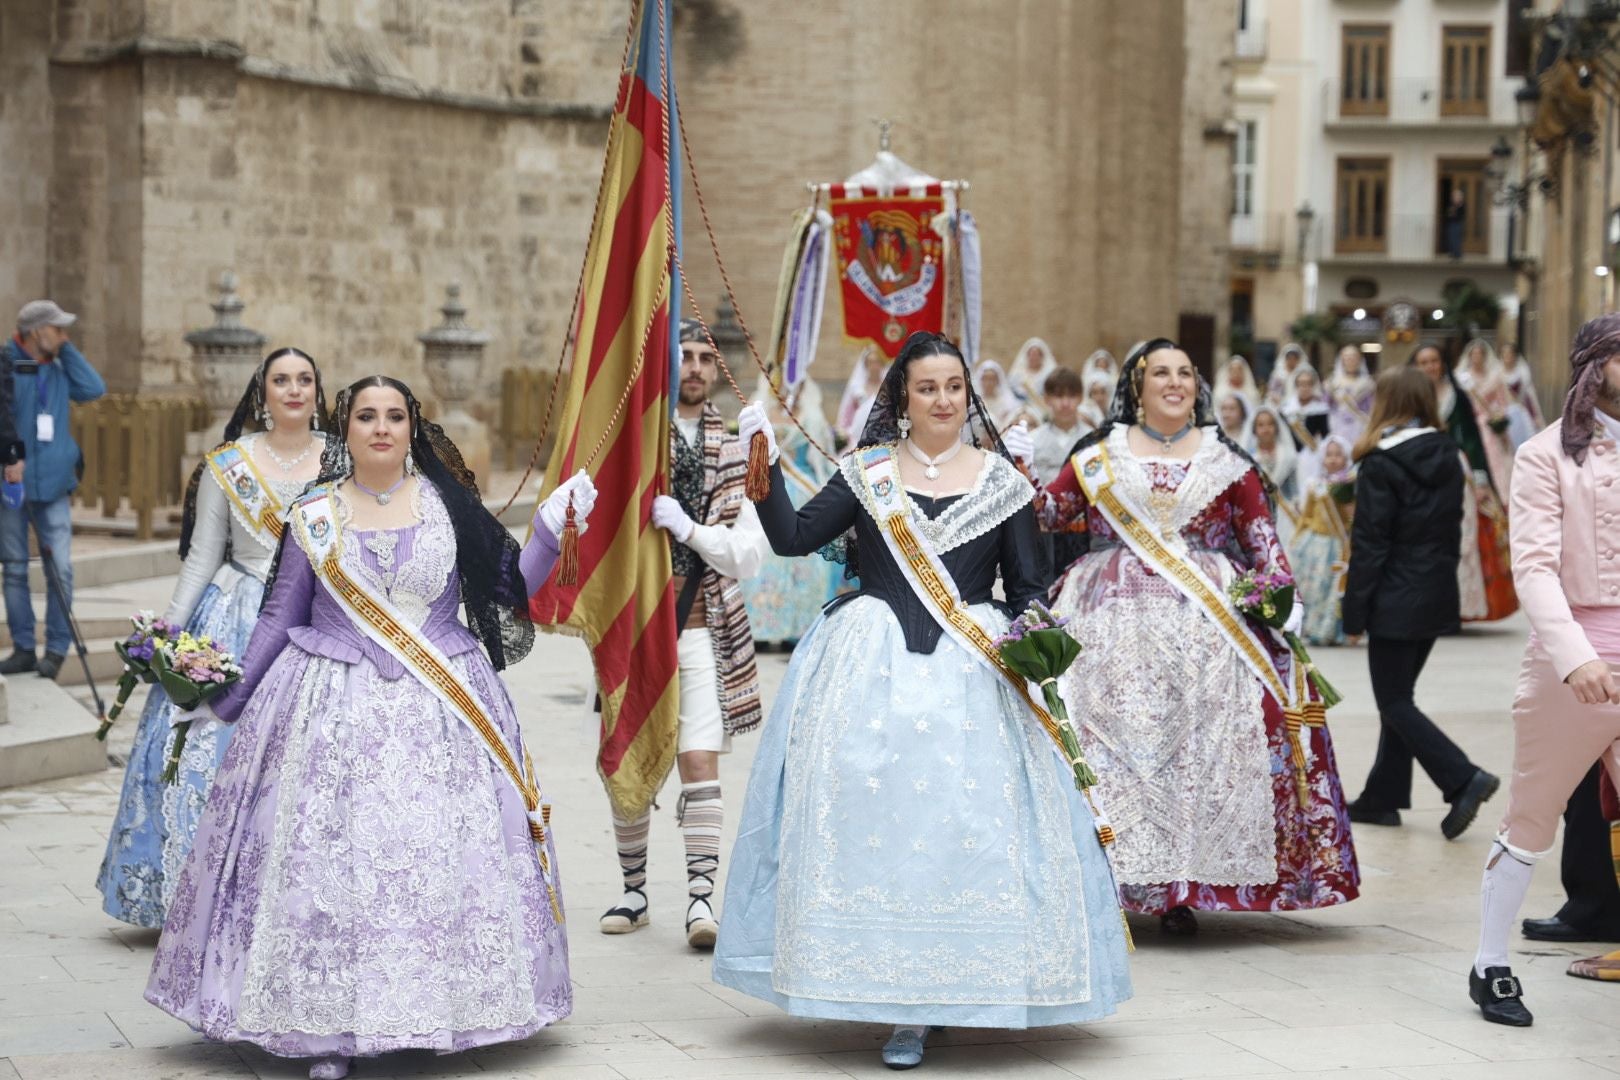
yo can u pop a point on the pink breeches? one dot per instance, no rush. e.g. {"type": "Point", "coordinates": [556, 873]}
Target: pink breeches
{"type": "Point", "coordinates": [1555, 741]}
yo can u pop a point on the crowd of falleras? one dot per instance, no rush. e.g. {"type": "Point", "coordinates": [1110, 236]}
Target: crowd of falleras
{"type": "Point", "coordinates": [356, 856]}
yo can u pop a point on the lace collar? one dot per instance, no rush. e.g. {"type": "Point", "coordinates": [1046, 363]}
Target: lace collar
{"type": "Point", "coordinates": [998, 492]}
{"type": "Point", "coordinates": [1210, 471]}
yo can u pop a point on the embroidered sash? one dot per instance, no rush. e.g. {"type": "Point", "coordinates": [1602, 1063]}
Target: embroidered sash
{"type": "Point", "coordinates": [920, 565]}
{"type": "Point", "coordinates": [245, 486]}
{"type": "Point", "coordinates": [319, 533]}
{"type": "Point", "coordinates": [1167, 557]}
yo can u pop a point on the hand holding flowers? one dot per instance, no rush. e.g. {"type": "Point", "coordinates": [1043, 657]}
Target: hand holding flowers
{"type": "Point", "coordinates": [150, 635]}
{"type": "Point", "coordinates": [1267, 596]}
{"type": "Point", "coordinates": [1037, 648]}
{"type": "Point", "coordinates": [192, 671]}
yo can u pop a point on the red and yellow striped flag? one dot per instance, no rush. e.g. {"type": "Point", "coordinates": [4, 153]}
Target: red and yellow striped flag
{"type": "Point", "coordinates": [615, 423]}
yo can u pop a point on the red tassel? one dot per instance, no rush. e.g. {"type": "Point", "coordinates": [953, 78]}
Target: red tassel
{"type": "Point", "coordinates": [758, 485]}
{"type": "Point", "coordinates": [568, 549]}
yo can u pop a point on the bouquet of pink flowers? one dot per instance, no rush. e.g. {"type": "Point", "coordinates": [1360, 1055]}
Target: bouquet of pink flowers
{"type": "Point", "coordinates": [1267, 596]}
{"type": "Point", "coordinates": [192, 671]}
{"type": "Point", "coordinates": [151, 634]}
{"type": "Point", "coordinates": [1037, 647]}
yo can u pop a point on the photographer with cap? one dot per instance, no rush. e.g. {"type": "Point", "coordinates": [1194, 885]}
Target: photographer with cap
{"type": "Point", "coordinates": [44, 372]}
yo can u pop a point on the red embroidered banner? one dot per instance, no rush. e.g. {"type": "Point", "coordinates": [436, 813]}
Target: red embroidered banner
{"type": "Point", "coordinates": [891, 263]}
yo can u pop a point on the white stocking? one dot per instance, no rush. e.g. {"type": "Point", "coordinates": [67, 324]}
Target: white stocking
{"type": "Point", "coordinates": [1501, 893]}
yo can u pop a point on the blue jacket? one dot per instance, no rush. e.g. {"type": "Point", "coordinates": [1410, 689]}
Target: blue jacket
{"type": "Point", "coordinates": [52, 469]}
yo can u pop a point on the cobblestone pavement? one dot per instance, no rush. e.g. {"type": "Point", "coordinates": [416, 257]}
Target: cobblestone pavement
{"type": "Point", "coordinates": [1371, 991]}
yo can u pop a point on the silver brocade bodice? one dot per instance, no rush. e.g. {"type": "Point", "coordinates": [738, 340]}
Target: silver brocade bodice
{"type": "Point", "coordinates": [218, 518]}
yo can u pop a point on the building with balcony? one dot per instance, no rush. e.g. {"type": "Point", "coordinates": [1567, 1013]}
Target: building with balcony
{"type": "Point", "coordinates": [1362, 161]}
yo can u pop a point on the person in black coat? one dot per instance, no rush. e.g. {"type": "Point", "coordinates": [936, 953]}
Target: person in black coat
{"type": "Point", "coordinates": [1402, 593]}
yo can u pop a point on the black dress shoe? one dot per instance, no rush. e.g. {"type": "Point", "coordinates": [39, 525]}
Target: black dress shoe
{"type": "Point", "coordinates": [1179, 922]}
{"type": "Point", "coordinates": [51, 665]}
{"type": "Point", "coordinates": [1363, 815]}
{"type": "Point", "coordinates": [1499, 996]}
{"type": "Point", "coordinates": [1556, 929]}
{"type": "Point", "coordinates": [1465, 808]}
{"type": "Point", "coordinates": [17, 663]}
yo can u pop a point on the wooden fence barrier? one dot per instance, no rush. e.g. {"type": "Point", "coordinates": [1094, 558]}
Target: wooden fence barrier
{"type": "Point", "coordinates": [523, 406]}
{"type": "Point", "coordinates": [133, 447]}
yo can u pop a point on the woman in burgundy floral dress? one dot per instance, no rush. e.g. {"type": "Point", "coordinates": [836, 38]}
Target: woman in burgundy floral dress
{"type": "Point", "coordinates": [1216, 768]}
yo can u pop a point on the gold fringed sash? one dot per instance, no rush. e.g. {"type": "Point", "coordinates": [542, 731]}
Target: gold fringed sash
{"type": "Point", "coordinates": [930, 580]}
{"type": "Point", "coordinates": [320, 535]}
{"type": "Point", "coordinates": [245, 486]}
{"type": "Point", "coordinates": [1096, 475]}
{"type": "Point", "coordinates": [1306, 713]}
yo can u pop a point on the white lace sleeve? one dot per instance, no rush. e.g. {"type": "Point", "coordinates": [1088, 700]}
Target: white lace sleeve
{"type": "Point", "coordinates": [207, 549]}
{"type": "Point", "coordinates": [735, 551]}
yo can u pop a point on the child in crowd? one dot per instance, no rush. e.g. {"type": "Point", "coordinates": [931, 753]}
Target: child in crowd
{"type": "Point", "coordinates": [1054, 440]}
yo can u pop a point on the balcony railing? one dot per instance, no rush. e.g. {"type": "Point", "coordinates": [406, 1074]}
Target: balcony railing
{"type": "Point", "coordinates": [1268, 234]}
{"type": "Point", "coordinates": [1251, 40]}
{"type": "Point", "coordinates": [1414, 101]}
{"type": "Point", "coordinates": [1418, 238]}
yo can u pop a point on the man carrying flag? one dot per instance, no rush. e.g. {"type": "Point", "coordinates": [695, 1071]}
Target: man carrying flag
{"type": "Point", "coordinates": [715, 539]}
{"type": "Point", "coordinates": [616, 424]}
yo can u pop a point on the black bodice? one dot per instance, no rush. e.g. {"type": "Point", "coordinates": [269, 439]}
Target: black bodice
{"type": "Point", "coordinates": [1010, 549]}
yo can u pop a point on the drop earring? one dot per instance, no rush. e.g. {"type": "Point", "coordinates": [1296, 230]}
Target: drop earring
{"type": "Point", "coordinates": [266, 420]}
{"type": "Point", "coordinates": [905, 427]}
{"type": "Point", "coordinates": [410, 463]}
{"type": "Point", "coordinates": [1141, 416]}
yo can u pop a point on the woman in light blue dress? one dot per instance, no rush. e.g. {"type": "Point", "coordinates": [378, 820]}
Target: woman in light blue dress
{"type": "Point", "coordinates": [235, 506]}
{"type": "Point", "coordinates": [787, 595]}
{"type": "Point", "coordinates": [911, 849]}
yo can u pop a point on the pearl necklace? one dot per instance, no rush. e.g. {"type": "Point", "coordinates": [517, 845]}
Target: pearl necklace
{"type": "Point", "coordinates": [287, 466]}
{"type": "Point", "coordinates": [383, 497]}
{"type": "Point", "coordinates": [932, 464]}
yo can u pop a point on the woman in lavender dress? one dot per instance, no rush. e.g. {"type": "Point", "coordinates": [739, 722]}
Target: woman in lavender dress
{"type": "Point", "coordinates": [372, 871]}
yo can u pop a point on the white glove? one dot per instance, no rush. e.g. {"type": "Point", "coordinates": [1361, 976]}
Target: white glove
{"type": "Point", "coordinates": [1019, 443]}
{"type": "Point", "coordinates": [197, 715]}
{"type": "Point", "coordinates": [668, 515]}
{"type": "Point", "coordinates": [553, 511]}
{"type": "Point", "coordinates": [1296, 618]}
{"type": "Point", "coordinates": [753, 420]}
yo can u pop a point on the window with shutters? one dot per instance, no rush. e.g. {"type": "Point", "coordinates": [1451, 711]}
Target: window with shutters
{"type": "Point", "coordinates": [1465, 222]}
{"type": "Point", "coordinates": [1361, 218]}
{"type": "Point", "coordinates": [1465, 71]}
{"type": "Point", "coordinates": [1243, 167]}
{"type": "Point", "coordinates": [1364, 72]}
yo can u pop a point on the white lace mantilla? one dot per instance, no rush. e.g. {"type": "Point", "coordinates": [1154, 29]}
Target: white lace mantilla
{"type": "Point", "coordinates": [998, 492]}
{"type": "Point", "coordinates": [1210, 471]}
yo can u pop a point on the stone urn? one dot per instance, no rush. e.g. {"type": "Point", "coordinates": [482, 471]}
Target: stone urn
{"type": "Point", "coordinates": [453, 357]}
{"type": "Point", "coordinates": [225, 355]}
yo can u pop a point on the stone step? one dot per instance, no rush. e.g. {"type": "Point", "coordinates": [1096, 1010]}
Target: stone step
{"type": "Point", "coordinates": [48, 734]}
{"type": "Point", "coordinates": [113, 565]}
{"type": "Point", "coordinates": [105, 665]}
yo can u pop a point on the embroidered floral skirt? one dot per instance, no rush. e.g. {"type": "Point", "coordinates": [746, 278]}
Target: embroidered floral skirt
{"type": "Point", "coordinates": [911, 851]}
{"type": "Point", "coordinates": [152, 832]}
{"type": "Point", "coordinates": [363, 880]}
{"type": "Point", "coordinates": [1194, 760]}
{"type": "Point", "coordinates": [1318, 562]}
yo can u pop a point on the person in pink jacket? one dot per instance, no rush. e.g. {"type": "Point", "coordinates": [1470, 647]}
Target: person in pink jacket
{"type": "Point", "coordinates": [1565, 525]}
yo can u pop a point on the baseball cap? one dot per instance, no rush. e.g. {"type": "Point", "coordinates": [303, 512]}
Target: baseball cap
{"type": "Point", "coordinates": [38, 313]}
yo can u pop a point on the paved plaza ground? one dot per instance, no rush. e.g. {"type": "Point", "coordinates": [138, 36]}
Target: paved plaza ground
{"type": "Point", "coordinates": [1371, 991]}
